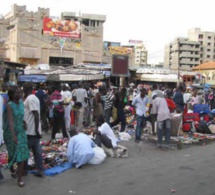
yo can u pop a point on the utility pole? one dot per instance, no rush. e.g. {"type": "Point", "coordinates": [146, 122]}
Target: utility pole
{"type": "Point", "coordinates": [178, 44]}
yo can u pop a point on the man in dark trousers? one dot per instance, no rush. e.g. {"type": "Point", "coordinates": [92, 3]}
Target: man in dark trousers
{"type": "Point", "coordinates": [33, 126]}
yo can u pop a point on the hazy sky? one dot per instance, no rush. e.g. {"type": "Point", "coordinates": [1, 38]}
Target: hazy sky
{"type": "Point", "coordinates": [155, 22]}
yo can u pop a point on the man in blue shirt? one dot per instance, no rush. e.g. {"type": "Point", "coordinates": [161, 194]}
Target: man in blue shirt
{"type": "Point", "coordinates": [139, 103]}
{"type": "Point", "coordinates": [80, 149]}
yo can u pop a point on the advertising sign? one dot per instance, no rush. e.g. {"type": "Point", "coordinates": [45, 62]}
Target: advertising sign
{"type": "Point", "coordinates": [120, 50]}
{"type": "Point", "coordinates": [107, 44]}
{"type": "Point", "coordinates": [119, 65]}
{"type": "Point", "coordinates": [62, 28]}
{"type": "Point", "coordinates": [135, 42]}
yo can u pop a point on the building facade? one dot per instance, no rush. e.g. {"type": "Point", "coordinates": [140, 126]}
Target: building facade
{"type": "Point", "coordinates": [25, 42]}
{"type": "Point", "coordinates": [197, 48]}
{"type": "Point", "coordinates": [140, 54]}
{"type": "Point", "coordinates": [207, 43]}
{"type": "Point", "coordinates": [182, 54]}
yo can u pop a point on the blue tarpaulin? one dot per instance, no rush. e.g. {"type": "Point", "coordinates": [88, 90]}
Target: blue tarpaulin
{"type": "Point", "coordinates": [33, 78]}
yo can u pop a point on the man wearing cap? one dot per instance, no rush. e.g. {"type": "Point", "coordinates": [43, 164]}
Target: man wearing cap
{"type": "Point", "coordinates": [139, 103]}
{"type": "Point", "coordinates": [67, 97]}
{"type": "Point", "coordinates": [163, 119]}
{"type": "Point", "coordinates": [152, 112]}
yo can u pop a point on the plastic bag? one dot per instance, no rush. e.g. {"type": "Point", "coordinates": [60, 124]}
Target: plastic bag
{"type": "Point", "coordinates": [124, 136]}
{"type": "Point", "coordinates": [99, 156]}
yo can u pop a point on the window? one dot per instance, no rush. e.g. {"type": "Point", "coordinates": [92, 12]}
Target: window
{"type": "Point", "coordinates": [209, 44]}
{"type": "Point", "coordinates": [208, 50]}
{"type": "Point", "coordinates": [86, 22]}
{"type": "Point", "coordinates": [208, 56]}
{"type": "Point", "coordinates": [201, 55]}
{"type": "Point", "coordinates": [200, 36]}
{"type": "Point", "coordinates": [209, 37]}
{"type": "Point", "coordinates": [59, 61]}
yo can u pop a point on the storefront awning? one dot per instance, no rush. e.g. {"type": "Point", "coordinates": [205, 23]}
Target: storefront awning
{"type": "Point", "coordinates": [170, 78]}
{"type": "Point", "coordinates": [73, 77]}
{"type": "Point", "coordinates": [32, 78]}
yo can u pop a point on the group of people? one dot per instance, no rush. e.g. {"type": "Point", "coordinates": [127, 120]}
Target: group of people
{"type": "Point", "coordinates": [21, 130]}
{"type": "Point", "coordinates": [26, 113]}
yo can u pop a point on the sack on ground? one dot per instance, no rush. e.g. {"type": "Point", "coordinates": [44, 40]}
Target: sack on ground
{"type": "Point", "coordinates": [124, 136]}
{"type": "Point", "coordinates": [99, 156]}
{"type": "Point", "coordinates": [212, 128]}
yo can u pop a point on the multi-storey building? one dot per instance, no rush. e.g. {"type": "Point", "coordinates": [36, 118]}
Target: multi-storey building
{"type": "Point", "coordinates": [207, 43]}
{"type": "Point", "coordinates": [185, 53]}
{"type": "Point", "coordinates": [182, 54]}
{"type": "Point", "coordinates": [140, 55]}
{"type": "Point", "coordinates": [22, 38]}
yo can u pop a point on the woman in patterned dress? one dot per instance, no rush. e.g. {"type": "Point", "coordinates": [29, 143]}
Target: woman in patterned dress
{"type": "Point", "coordinates": [14, 133]}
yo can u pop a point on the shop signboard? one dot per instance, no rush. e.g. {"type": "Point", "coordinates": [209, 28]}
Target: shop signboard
{"type": "Point", "coordinates": [135, 42]}
{"type": "Point", "coordinates": [119, 65]}
{"type": "Point", "coordinates": [62, 28]}
{"type": "Point", "coordinates": [120, 50]}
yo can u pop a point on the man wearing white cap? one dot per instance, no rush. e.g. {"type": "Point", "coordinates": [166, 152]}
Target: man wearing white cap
{"type": "Point", "coordinates": [67, 97]}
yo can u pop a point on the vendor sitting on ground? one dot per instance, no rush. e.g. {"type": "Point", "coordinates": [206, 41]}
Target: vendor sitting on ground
{"type": "Point", "coordinates": [80, 148]}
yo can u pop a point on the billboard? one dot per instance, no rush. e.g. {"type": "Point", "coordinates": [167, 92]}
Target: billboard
{"type": "Point", "coordinates": [107, 44]}
{"type": "Point", "coordinates": [135, 41]}
{"type": "Point", "coordinates": [120, 50]}
{"type": "Point", "coordinates": [62, 28]}
{"type": "Point", "coordinates": [119, 65]}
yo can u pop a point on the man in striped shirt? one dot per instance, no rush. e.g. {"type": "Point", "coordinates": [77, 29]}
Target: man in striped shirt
{"type": "Point", "coordinates": [109, 98]}
{"type": "Point", "coordinates": [58, 112]}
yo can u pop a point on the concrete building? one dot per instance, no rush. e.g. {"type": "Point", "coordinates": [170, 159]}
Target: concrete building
{"type": "Point", "coordinates": [25, 42]}
{"type": "Point", "coordinates": [140, 54]}
{"type": "Point", "coordinates": [182, 53]}
{"type": "Point", "coordinates": [207, 43]}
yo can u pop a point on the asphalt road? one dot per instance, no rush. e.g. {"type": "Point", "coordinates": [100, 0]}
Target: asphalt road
{"type": "Point", "coordinates": [147, 171]}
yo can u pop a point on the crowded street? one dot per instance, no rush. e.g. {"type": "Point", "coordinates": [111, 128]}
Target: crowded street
{"type": "Point", "coordinates": [107, 97]}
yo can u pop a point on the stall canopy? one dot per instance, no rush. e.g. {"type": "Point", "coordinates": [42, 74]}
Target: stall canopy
{"type": "Point", "coordinates": [73, 77]}
{"type": "Point", "coordinates": [170, 78]}
{"type": "Point", "coordinates": [32, 78]}
{"type": "Point", "coordinates": [67, 74]}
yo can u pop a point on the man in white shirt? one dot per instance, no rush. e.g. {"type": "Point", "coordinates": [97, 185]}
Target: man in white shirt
{"type": "Point", "coordinates": [80, 95]}
{"type": "Point", "coordinates": [139, 103]}
{"type": "Point", "coordinates": [152, 111]}
{"type": "Point", "coordinates": [67, 97]}
{"type": "Point", "coordinates": [106, 134]}
{"type": "Point", "coordinates": [163, 120]}
{"type": "Point", "coordinates": [33, 131]}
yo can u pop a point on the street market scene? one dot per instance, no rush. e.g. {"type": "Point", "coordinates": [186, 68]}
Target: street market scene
{"type": "Point", "coordinates": [82, 115]}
